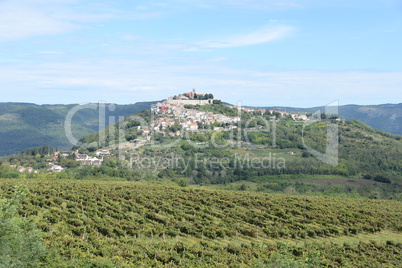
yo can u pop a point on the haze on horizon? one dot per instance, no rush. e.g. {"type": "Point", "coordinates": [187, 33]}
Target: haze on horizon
{"type": "Point", "coordinates": [260, 52]}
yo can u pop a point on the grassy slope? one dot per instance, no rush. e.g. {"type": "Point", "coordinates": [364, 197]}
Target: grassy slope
{"type": "Point", "coordinates": [362, 150]}
{"type": "Point", "coordinates": [143, 224]}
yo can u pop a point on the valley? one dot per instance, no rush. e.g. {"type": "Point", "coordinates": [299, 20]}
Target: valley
{"type": "Point", "coordinates": [208, 185]}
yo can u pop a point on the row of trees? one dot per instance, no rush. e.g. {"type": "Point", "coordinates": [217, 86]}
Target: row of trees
{"type": "Point", "coordinates": [204, 97]}
{"type": "Point", "coordinates": [41, 150]}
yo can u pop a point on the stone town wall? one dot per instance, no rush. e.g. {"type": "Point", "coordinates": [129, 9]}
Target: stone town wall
{"type": "Point", "coordinates": [189, 102]}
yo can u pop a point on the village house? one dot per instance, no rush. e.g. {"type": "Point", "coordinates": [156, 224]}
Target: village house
{"type": "Point", "coordinates": [85, 159]}
{"type": "Point", "coordinates": [231, 127]}
{"type": "Point", "coordinates": [144, 131]}
{"type": "Point", "coordinates": [193, 126]}
{"type": "Point", "coordinates": [21, 169]}
{"type": "Point", "coordinates": [302, 117]}
{"type": "Point", "coordinates": [57, 168]}
{"type": "Point", "coordinates": [88, 160]}
{"type": "Point", "coordinates": [218, 128]}
{"type": "Point", "coordinates": [299, 117]}
{"type": "Point", "coordinates": [102, 152]}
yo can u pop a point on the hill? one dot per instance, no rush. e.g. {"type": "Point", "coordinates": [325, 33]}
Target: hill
{"type": "Point", "coordinates": [306, 193]}
{"type": "Point", "coordinates": [385, 117]}
{"type": "Point", "coordinates": [254, 152]}
{"type": "Point", "coordinates": [26, 125]}
{"type": "Point", "coordinates": [272, 155]}
{"type": "Point", "coordinates": [137, 224]}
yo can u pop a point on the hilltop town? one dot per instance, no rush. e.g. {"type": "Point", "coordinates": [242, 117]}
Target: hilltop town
{"type": "Point", "coordinates": [181, 111]}
{"type": "Point", "coordinates": [186, 112]}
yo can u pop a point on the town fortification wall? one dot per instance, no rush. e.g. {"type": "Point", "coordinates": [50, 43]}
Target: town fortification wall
{"type": "Point", "coordinates": [189, 102]}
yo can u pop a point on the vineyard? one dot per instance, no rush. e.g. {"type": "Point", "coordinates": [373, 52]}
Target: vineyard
{"type": "Point", "coordinates": [140, 224]}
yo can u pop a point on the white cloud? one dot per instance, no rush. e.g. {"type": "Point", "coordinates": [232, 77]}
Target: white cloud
{"type": "Point", "coordinates": [245, 4]}
{"type": "Point", "coordinates": [50, 52]}
{"type": "Point", "coordinates": [21, 19]}
{"type": "Point", "coordinates": [263, 4]}
{"type": "Point", "coordinates": [260, 36]}
{"type": "Point", "coordinates": [18, 22]}
{"type": "Point", "coordinates": [83, 17]}
{"type": "Point", "coordinates": [128, 81]}
{"type": "Point", "coordinates": [145, 15]}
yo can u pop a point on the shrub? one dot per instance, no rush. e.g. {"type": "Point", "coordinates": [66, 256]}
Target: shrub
{"type": "Point", "coordinates": [20, 241]}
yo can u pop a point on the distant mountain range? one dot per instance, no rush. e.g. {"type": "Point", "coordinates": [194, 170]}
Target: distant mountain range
{"type": "Point", "coordinates": [25, 125]}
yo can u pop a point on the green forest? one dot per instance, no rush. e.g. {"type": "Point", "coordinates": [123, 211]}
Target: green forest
{"type": "Point", "coordinates": [26, 125]}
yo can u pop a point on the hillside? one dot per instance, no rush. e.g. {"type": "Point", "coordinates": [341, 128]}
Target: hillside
{"type": "Point", "coordinates": [25, 125]}
{"type": "Point", "coordinates": [137, 224]}
{"type": "Point", "coordinates": [368, 162]}
{"type": "Point", "coordinates": [152, 200]}
{"type": "Point", "coordinates": [386, 117]}
{"type": "Point", "coordinates": [262, 154]}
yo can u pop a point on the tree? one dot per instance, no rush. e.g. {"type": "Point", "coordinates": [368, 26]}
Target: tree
{"type": "Point", "coordinates": [243, 187]}
{"type": "Point", "coordinates": [382, 178]}
{"type": "Point", "coordinates": [20, 241]}
{"type": "Point", "coordinates": [216, 124]}
{"type": "Point", "coordinates": [69, 163]}
{"type": "Point", "coordinates": [182, 183]}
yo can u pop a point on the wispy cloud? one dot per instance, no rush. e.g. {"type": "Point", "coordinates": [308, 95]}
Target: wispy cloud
{"type": "Point", "coordinates": [245, 4]}
{"type": "Point", "coordinates": [127, 81]}
{"type": "Point", "coordinates": [21, 19]}
{"type": "Point", "coordinates": [18, 21]}
{"type": "Point", "coordinates": [263, 4]}
{"type": "Point", "coordinates": [112, 53]}
{"type": "Point", "coordinates": [260, 36]}
{"type": "Point", "coordinates": [83, 17]}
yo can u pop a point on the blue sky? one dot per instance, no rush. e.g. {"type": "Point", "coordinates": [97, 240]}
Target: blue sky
{"type": "Point", "coordinates": [260, 52]}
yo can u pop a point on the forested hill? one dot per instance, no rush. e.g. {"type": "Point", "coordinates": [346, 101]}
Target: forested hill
{"type": "Point", "coordinates": [363, 151]}
{"type": "Point", "coordinates": [386, 117]}
{"type": "Point", "coordinates": [25, 125]}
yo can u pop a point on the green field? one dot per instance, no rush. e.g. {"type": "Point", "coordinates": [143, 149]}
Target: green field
{"type": "Point", "coordinates": [142, 224]}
